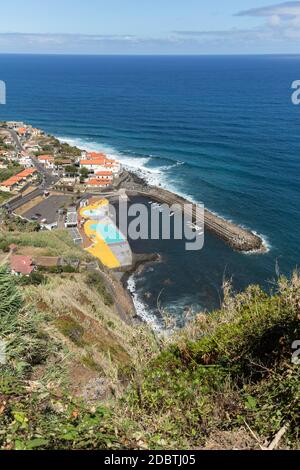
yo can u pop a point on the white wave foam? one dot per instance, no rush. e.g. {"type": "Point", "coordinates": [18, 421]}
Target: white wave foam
{"type": "Point", "coordinates": [153, 176]}
{"type": "Point", "coordinates": [140, 307]}
{"type": "Point", "coordinates": [169, 167]}
{"type": "Point", "coordinates": [137, 165]}
{"type": "Point", "coordinates": [266, 245]}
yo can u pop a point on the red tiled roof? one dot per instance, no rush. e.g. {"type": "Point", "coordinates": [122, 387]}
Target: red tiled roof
{"type": "Point", "coordinates": [17, 178]}
{"type": "Point", "coordinates": [96, 162]}
{"type": "Point", "coordinates": [27, 172]}
{"type": "Point", "coordinates": [95, 155]}
{"type": "Point", "coordinates": [49, 158]}
{"type": "Point", "coordinates": [95, 182]}
{"type": "Point", "coordinates": [104, 173]}
{"type": "Point", "coordinates": [11, 181]}
{"type": "Point", "coordinates": [21, 264]}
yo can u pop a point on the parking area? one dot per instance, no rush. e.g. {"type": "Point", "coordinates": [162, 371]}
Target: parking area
{"type": "Point", "coordinates": [47, 211]}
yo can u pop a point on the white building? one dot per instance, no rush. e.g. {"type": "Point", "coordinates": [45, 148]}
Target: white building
{"type": "Point", "coordinates": [71, 218]}
{"type": "Point", "coordinates": [26, 161]}
{"type": "Point", "coordinates": [15, 124]}
{"type": "Point", "coordinates": [104, 175]}
{"type": "Point", "coordinates": [47, 161]}
{"type": "Point", "coordinates": [92, 165]}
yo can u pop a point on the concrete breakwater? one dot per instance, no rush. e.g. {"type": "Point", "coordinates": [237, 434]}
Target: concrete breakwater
{"type": "Point", "coordinates": [232, 234]}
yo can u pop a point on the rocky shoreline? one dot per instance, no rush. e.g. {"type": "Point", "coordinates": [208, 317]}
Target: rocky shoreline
{"type": "Point", "coordinates": [139, 262]}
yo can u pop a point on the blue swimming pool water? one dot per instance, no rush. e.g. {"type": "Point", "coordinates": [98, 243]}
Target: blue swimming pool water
{"type": "Point", "coordinates": [109, 233]}
{"type": "Point", "coordinates": [93, 213]}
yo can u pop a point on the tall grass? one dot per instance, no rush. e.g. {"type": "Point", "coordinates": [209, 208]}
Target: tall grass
{"type": "Point", "coordinates": [57, 242]}
{"type": "Point", "coordinates": [226, 374]}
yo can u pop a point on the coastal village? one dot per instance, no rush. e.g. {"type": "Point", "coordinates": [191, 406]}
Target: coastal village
{"type": "Point", "coordinates": [47, 185]}
{"type": "Point", "coordinates": [76, 343]}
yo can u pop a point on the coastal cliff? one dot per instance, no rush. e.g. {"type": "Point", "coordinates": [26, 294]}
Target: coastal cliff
{"type": "Point", "coordinates": [77, 377]}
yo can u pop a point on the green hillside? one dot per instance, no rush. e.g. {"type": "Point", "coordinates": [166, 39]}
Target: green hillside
{"type": "Point", "coordinates": [226, 381]}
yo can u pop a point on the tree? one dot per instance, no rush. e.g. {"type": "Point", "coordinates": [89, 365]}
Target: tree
{"type": "Point", "coordinates": [84, 172]}
{"type": "Point", "coordinates": [71, 170]}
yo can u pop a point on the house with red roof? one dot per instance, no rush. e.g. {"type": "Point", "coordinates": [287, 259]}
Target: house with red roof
{"type": "Point", "coordinates": [97, 183]}
{"type": "Point", "coordinates": [95, 156]}
{"type": "Point", "coordinates": [18, 181]}
{"type": "Point", "coordinates": [96, 162]}
{"type": "Point", "coordinates": [46, 160]}
{"type": "Point", "coordinates": [104, 175]}
{"type": "Point", "coordinates": [12, 184]}
{"type": "Point", "coordinates": [21, 265]}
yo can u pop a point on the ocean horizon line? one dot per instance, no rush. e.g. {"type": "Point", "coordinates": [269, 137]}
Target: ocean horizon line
{"type": "Point", "coordinates": [155, 55]}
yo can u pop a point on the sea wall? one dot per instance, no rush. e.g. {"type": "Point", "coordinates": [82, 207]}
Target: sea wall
{"type": "Point", "coordinates": [236, 237]}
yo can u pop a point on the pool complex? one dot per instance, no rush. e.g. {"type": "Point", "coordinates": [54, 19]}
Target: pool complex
{"type": "Point", "coordinates": [102, 232]}
{"type": "Point", "coordinates": [95, 211]}
{"type": "Point", "coordinates": [108, 232]}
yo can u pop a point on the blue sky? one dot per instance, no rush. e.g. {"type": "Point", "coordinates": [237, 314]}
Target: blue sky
{"type": "Point", "coordinates": [150, 26]}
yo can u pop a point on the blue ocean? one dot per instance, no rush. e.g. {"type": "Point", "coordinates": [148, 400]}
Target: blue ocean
{"type": "Point", "coordinates": [221, 130]}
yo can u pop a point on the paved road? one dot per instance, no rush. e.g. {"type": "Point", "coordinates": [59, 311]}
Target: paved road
{"type": "Point", "coordinates": [15, 138]}
{"type": "Point", "coordinates": [48, 179]}
{"type": "Point", "coordinates": [23, 200]}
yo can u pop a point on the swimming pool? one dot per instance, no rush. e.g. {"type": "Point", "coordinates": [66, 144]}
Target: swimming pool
{"type": "Point", "coordinates": [109, 233]}
{"type": "Point", "coordinates": [94, 213]}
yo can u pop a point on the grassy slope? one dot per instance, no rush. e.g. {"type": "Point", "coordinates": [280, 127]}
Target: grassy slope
{"type": "Point", "coordinates": [4, 197]}
{"type": "Point", "coordinates": [59, 343]}
{"type": "Point", "coordinates": [57, 243]}
{"type": "Point", "coordinates": [224, 379]}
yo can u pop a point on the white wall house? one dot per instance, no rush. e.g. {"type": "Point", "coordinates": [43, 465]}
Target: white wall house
{"type": "Point", "coordinates": [46, 160]}
{"type": "Point", "coordinates": [92, 165]}
{"type": "Point", "coordinates": [25, 161]}
{"type": "Point", "coordinates": [104, 175]}
{"type": "Point", "coordinates": [9, 187]}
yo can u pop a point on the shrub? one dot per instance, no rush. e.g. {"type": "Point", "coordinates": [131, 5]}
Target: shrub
{"type": "Point", "coordinates": [69, 269]}
{"type": "Point", "coordinates": [4, 246]}
{"type": "Point", "coordinates": [34, 279]}
{"type": "Point", "coordinates": [71, 329]}
{"type": "Point", "coordinates": [95, 280]}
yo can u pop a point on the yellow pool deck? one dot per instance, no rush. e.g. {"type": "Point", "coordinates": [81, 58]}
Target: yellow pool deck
{"type": "Point", "coordinates": [95, 207]}
{"type": "Point", "coordinates": [99, 248]}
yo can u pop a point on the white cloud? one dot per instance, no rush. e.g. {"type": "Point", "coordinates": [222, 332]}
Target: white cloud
{"type": "Point", "coordinates": [284, 15]}
{"type": "Point", "coordinates": [274, 20]}
{"type": "Point", "coordinates": [283, 19]}
{"type": "Point", "coordinates": [282, 10]}
{"type": "Point", "coordinates": [278, 31]}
